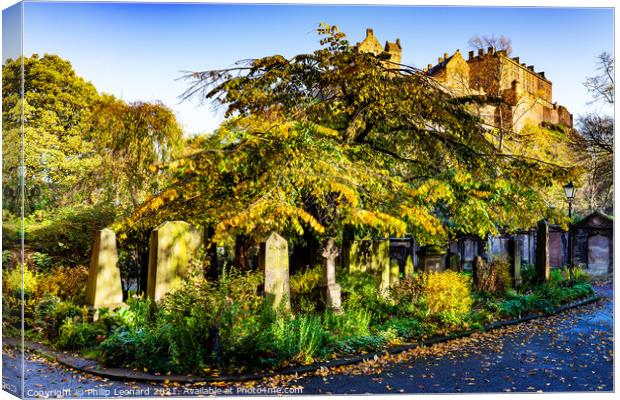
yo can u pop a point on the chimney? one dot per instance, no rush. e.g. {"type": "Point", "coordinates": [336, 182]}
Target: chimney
{"type": "Point", "coordinates": [398, 42]}
{"type": "Point", "coordinates": [490, 50]}
{"type": "Point", "coordinates": [369, 32]}
{"type": "Point", "coordinates": [445, 56]}
{"type": "Point", "coordinates": [471, 55]}
{"type": "Point", "coordinates": [542, 73]}
{"type": "Point", "coordinates": [430, 66]}
{"type": "Point", "coordinates": [439, 60]}
{"type": "Point", "coordinates": [530, 67]}
{"type": "Point", "coordinates": [516, 59]}
{"type": "Point", "coordinates": [480, 52]}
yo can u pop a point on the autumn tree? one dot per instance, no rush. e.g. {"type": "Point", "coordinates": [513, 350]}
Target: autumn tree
{"type": "Point", "coordinates": [337, 137]}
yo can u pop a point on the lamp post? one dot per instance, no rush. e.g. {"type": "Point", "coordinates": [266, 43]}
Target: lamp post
{"type": "Point", "coordinates": [569, 191]}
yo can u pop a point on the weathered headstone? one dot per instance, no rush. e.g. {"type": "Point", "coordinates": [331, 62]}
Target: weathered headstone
{"type": "Point", "coordinates": [274, 262]}
{"type": "Point", "coordinates": [542, 252]}
{"type": "Point", "coordinates": [104, 288]}
{"type": "Point", "coordinates": [380, 255]}
{"type": "Point", "coordinates": [478, 268]}
{"type": "Point", "coordinates": [394, 273]}
{"type": "Point", "coordinates": [454, 262]}
{"type": "Point", "coordinates": [514, 252]}
{"type": "Point", "coordinates": [409, 268]}
{"type": "Point", "coordinates": [331, 288]}
{"type": "Point", "coordinates": [172, 246]}
{"type": "Point", "coordinates": [431, 258]}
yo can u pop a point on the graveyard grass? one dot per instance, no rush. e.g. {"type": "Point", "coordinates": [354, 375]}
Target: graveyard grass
{"type": "Point", "coordinates": [306, 176]}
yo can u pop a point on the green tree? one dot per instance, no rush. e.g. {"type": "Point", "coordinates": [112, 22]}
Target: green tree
{"type": "Point", "coordinates": [56, 107]}
{"type": "Point", "coordinates": [338, 137]}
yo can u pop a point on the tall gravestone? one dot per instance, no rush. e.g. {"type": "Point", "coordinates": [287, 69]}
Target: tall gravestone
{"type": "Point", "coordinates": [514, 251]}
{"type": "Point", "coordinates": [380, 255]}
{"type": "Point", "coordinates": [542, 252]}
{"type": "Point", "coordinates": [330, 288]}
{"type": "Point", "coordinates": [394, 273]}
{"type": "Point", "coordinates": [172, 246]}
{"type": "Point", "coordinates": [274, 262]}
{"type": "Point", "coordinates": [409, 268]}
{"type": "Point", "coordinates": [104, 288]}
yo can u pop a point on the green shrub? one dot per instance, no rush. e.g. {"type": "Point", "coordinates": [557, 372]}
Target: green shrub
{"type": "Point", "coordinates": [297, 340]}
{"type": "Point", "coordinates": [528, 275]}
{"type": "Point", "coordinates": [66, 233]}
{"type": "Point", "coordinates": [7, 255]}
{"type": "Point", "coordinates": [351, 322]}
{"type": "Point", "coordinates": [51, 312]}
{"type": "Point", "coordinates": [13, 284]}
{"type": "Point", "coordinates": [406, 328]}
{"type": "Point", "coordinates": [138, 348]}
{"type": "Point", "coordinates": [361, 291]}
{"type": "Point", "coordinates": [359, 343]}
{"type": "Point", "coordinates": [41, 261]}
{"type": "Point", "coordinates": [74, 335]}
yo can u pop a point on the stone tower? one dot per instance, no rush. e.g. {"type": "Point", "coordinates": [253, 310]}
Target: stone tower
{"type": "Point", "coordinates": [391, 52]}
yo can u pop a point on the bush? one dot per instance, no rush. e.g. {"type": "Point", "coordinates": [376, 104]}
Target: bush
{"type": "Point", "coordinates": [75, 334]}
{"type": "Point", "coordinates": [68, 283]}
{"type": "Point", "coordinates": [51, 312]}
{"type": "Point", "coordinates": [361, 291]}
{"type": "Point", "coordinates": [447, 292]}
{"type": "Point", "coordinates": [12, 289]}
{"type": "Point", "coordinates": [528, 275]}
{"type": "Point", "coordinates": [493, 277]}
{"type": "Point", "coordinates": [407, 328]}
{"type": "Point", "coordinates": [351, 322]}
{"type": "Point", "coordinates": [305, 289]}
{"type": "Point", "coordinates": [544, 298]}
{"type": "Point", "coordinates": [408, 290]}
{"type": "Point", "coordinates": [298, 340]}
{"type": "Point", "coordinates": [41, 261]}
{"type": "Point", "coordinates": [66, 234]}
{"type": "Point", "coordinates": [145, 347]}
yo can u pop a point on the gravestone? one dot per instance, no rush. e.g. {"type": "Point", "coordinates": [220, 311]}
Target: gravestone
{"type": "Point", "coordinates": [514, 252]}
{"type": "Point", "coordinates": [394, 273]}
{"type": "Point", "coordinates": [330, 287]}
{"type": "Point", "coordinates": [172, 246]}
{"type": "Point", "coordinates": [358, 255]}
{"type": "Point", "coordinates": [542, 252]}
{"type": "Point", "coordinates": [380, 255]}
{"type": "Point", "coordinates": [409, 268]}
{"type": "Point", "coordinates": [431, 258]}
{"type": "Point", "coordinates": [104, 288]}
{"type": "Point", "coordinates": [273, 260]}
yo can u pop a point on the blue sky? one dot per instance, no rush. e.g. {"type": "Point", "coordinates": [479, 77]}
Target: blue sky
{"type": "Point", "coordinates": [136, 51]}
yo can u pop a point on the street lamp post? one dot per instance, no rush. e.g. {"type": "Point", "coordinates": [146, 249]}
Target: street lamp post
{"type": "Point", "coordinates": [569, 191]}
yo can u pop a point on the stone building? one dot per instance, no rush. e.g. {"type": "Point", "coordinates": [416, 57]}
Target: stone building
{"type": "Point", "coordinates": [391, 52]}
{"type": "Point", "coordinates": [526, 95]}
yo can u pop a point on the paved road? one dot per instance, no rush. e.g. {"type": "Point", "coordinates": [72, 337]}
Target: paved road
{"type": "Point", "coordinates": [572, 351]}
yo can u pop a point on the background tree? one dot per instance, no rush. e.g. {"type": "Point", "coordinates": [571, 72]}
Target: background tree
{"type": "Point", "coordinates": [595, 139]}
{"type": "Point", "coordinates": [57, 105]}
{"type": "Point", "coordinates": [89, 158]}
